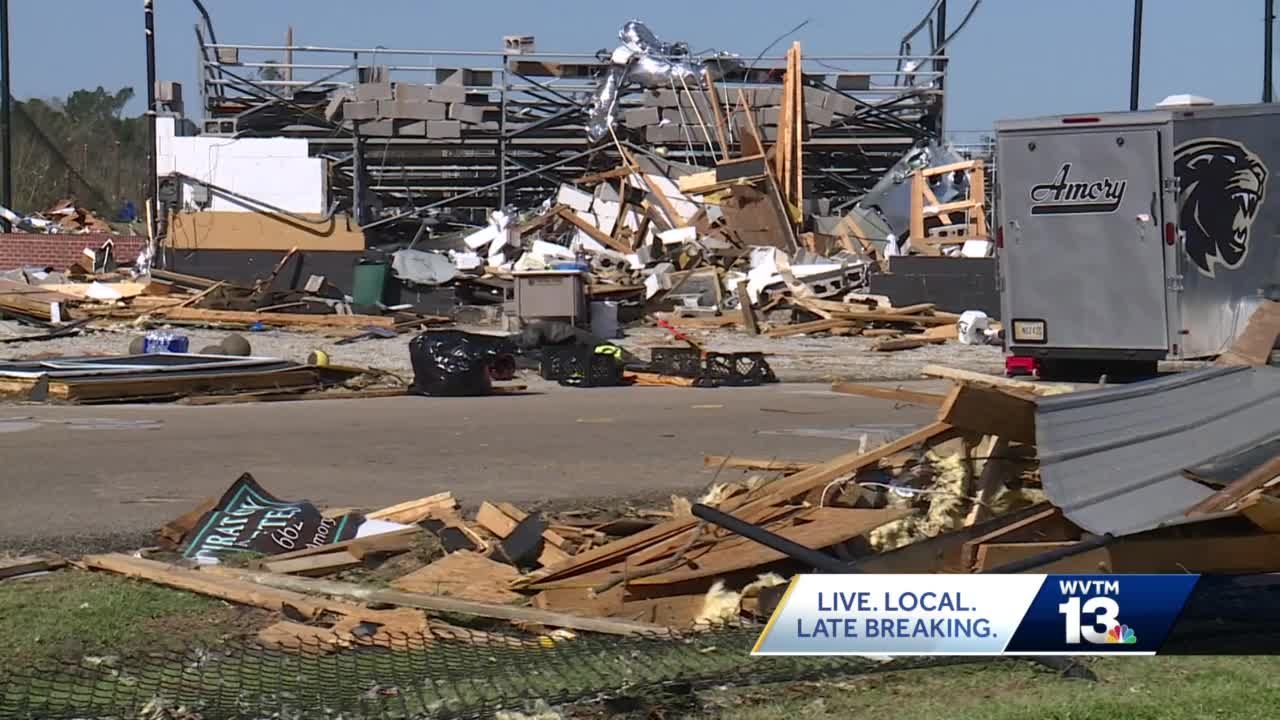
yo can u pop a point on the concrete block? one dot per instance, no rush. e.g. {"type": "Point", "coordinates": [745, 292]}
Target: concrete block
{"type": "Point", "coordinates": [411, 128]}
{"type": "Point", "coordinates": [469, 114]}
{"type": "Point", "coordinates": [641, 117]}
{"type": "Point", "coordinates": [477, 78]}
{"type": "Point", "coordinates": [664, 133]}
{"type": "Point", "coordinates": [333, 110]}
{"type": "Point", "coordinates": [764, 97]}
{"type": "Point", "coordinates": [373, 74]}
{"type": "Point", "coordinates": [379, 128]}
{"type": "Point", "coordinates": [411, 110]}
{"type": "Point", "coordinates": [482, 99]}
{"type": "Point", "coordinates": [412, 91]}
{"type": "Point", "coordinates": [660, 98]}
{"type": "Point", "coordinates": [841, 105]}
{"type": "Point", "coordinates": [853, 81]}
{"type": "Point", "coordinates": [367, 110]}
{"type": "Point", "coordinates": [444, 129]}
{"type": "Point", "coordinates": [768, 117]}
{"type": "Point", "coordinates": [373, 91]}
{"type": "Point", "coordinates": [815, 97]}
{"type": "Point", "coordinates": [820, 116]}
{"type": "Point", "coordinates": [448, 93]}
{"type": "Point", "coordinates": [448, 76]}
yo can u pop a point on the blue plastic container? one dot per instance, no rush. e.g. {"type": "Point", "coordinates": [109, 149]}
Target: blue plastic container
{"type": "Point", "coordinates": [165, 342]}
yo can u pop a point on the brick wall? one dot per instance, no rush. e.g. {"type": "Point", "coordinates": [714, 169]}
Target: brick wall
{"type": "Point", "coordinates": [60, 251]}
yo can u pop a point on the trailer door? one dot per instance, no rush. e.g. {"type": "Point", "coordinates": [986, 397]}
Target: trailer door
{"type": "Point", "coordinates": [1083, 261]}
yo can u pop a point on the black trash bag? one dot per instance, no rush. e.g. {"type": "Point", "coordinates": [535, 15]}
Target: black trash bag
{"type": "Point", "coordinates": [456, 363]}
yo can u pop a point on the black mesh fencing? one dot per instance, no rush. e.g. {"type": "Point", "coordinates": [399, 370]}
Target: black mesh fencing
{"type": "Point", "coordinates": [403, 676]}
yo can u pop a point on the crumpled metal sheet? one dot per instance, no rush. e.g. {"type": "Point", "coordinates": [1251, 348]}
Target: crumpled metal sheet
{"type": "Point", "coordinates": [423, 268]}
{"type": "Point", "coordinates": [644, 60]}
{"type": "Point", "coordinates": [891, 195]}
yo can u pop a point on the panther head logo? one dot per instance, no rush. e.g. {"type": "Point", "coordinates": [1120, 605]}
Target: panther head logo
{"type": "Point", "coordinates": [1223, 185]}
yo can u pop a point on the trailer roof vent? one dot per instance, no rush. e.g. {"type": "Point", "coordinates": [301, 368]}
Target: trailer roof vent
{"type": "Point", "coordinates": [1184, 100]}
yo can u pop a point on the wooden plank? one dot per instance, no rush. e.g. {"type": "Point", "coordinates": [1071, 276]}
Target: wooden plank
{"type": "Point", "coordinates": [751, 141]}
{"type": "Point", "coordinates": [26, 564]}
{"type": "Point", "coordinates": [1046, 526]}
{"type": "Point", "coordinates": [596, 233]}
{"type": "Point", "coordinates": [809, 327]}
{"type": "Point", "coordinates": [414, 511]}
{"type": "Point", "coordinates": [916, 220]}
{"type": "Point", "coordinates": [497, 520]}
{"type": "Point", "coordinates": [298, 320]}
{"type": "Point", "coordinates": [1254, 345]}
{"type": "Point", "coordinates": [831, 527]}
{"type": "Point", "coordinates": [742, 463]}
{"type": "Point", "coordinates": [465, 575]}
{"type": "Point", "coordinates": [313, 564]}
{"type": "Point", "coordinates": [748, 312]}
{"type": "Point", "coordinates": [969, 376]}
{"type": "Point", "coordinates": [231, 590]}
{"type": "Point", "coordinates": [1238, 488]}
{"type": "Point", "coordinates": [905, 343]}
{"type": "Point", "coordinates": [1262, 510]}
{"type": "Point", "coordinates": [263, 396]}
{"type": "Point", "coordinates": [994, 555]}
{"type": "Point", "coordinates": [444, 604]}
{"type": "Point", "coordinates": [816, 477]}
{"type": "Point", "coordinates": [991, 412]}
{"type": "Point", "coordinates": [951, 167]}
{"type": "Point", "coordinates": [949, 332]}
{"type": "Point", "coordinates": [161, 386]}
{"type": "Point", "coordinates": [722, 127]}
{"type": "Point", "coordinates": [388, 542]}
{"type": "Point", "coordinates": [673, 217]}
{"type": "Point", "coordinates": [896, 394]}
{"type": "Point", "coordinates": [608, 554]}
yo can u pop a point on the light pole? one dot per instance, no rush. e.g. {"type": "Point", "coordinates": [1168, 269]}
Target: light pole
{"type": "Point", "coordinates": [1136, 64]}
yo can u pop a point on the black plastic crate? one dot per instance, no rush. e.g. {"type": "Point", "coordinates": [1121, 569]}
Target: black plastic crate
{"type": "Point", "coordinates": [681, 361]}
{"type": "Point", "coordinates": [738, 369]}
{"type": "Point", "coordinates": [580, 366]}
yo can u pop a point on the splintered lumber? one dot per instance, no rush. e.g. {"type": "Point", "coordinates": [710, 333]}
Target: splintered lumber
{"type": "Point", "coordinates": [977, 378]}
{"type": "Point", "coordinates": [748, 312]}
{"type": "Point", "coordinates": [314, 564]}
{"type": "Point", "coordinates": [737, 463]}
{"type": "Point", "coordinates": [1238, 488]}
{"type": "Point", "coordinates": [994, 555]}
{"type": "Point", "coordinates": [229, 589]}
{"type": "Point", "coordinates": [831, 526]}
{"type": "Point", "coordinates": [896, 394]}
{"type": "Point", "coordinates": [990, 412]}
{"type": "Point", "coordinates": [297, 320]}
{"type": "Point", "coordinates": [596, 233]}
{"type": "Point", "coordinates": [414, 511]}
{"type": "Point", "coordinates": [1046, 526]}
{"type": "Point", "coordinates": [906, 343]}
{"type": "Point", "coordinates": [1262, 510]}
{"type": "Point", "coordinates": [1254, 345]}
{"type": "Point", "coordinates": [463, 575]}
{"type": "Point", "coordinates": [444, 604]}
{"type": "Point", "coordinates": [387, 542]}
{"type": "Point", "coordinates": [27, 564]}
{"type": "Point", "coordinates": [810, 327]}
{"type": "Point", "coordinates": [502, 521]}
{"type": "Point", "coordinates": [815, 478]}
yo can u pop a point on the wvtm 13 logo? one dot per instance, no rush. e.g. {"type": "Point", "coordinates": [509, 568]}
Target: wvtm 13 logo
{"type": "Point", "coordinates": [1094, 620]}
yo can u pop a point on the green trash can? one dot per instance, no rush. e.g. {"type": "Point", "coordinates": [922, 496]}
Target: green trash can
{"type": "Point", "coordinates": [368, 283]}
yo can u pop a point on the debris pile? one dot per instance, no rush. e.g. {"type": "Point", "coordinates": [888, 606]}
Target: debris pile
{"type": "Point", "coordinates": [979, 489]}
{"type": "Point", "coordinates": [64, 217]}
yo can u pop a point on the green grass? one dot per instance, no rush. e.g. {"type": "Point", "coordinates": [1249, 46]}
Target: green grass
{"type": "Point", "coordinates": [74, 613]}
{"type": "Point", "coordinates": [1159, 688]}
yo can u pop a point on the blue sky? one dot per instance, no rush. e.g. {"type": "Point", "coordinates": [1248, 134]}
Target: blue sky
{"type": "Point", "coordinates": [1016, 58]}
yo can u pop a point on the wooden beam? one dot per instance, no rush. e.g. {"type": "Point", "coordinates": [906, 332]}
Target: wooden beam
{"type": "Point", "coordinates": [969, 376]}
{"type": "Point", "coordinates": [393, 541]}
{"type": "Point", "coordinates": [596, 233]}
{"type": "Point", "coordinates": [905, 343]}
{"type": "Point", "coordinates": [313, 564]}
{"type": "Point", "coordinates": [994, 555]}
{"type": "Point", "coordinates": [916, 220]}
{"type": "Point", "coordinates": [223, 588]}
{"type": "Point", "coordinates": [713, 97]}
{"type": "Point", "coordinates": [896, 394]}
{"type": "Point", "coordinates": [26, 564]}
{"type": "Point", "coordinates": [1255, 344]}
{"type": "Point", "coordinates": [809, 327]}
{"type": "Point", "coordinates": [751, 141]}
{"type": "Point", "coordinates": [1262, 510]}
{"type": "Point", "coordinates": [742, 463]}
{"type": "Point", "coordinates": [444, 604]}
{"type": "Point", "coordinates": [299, 320]}
{"type": "Point", "coordinates": [1046, 526]}
{"type": "Point", "coordinates": [1238, 488]}
{"type": "Point", "coordinates": [748, 312]}
{"type": "Point", "coordinates": [990, 412]}
{"type": "Point", "coordinates": [414, 511]}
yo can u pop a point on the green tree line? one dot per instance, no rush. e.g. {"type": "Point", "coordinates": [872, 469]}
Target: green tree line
{"type": "Point", "coordinates": [80, 146]}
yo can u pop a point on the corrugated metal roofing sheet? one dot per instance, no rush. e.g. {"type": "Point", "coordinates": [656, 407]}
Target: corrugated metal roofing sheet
{"type": "Point", "coordinates": [1112, 458]}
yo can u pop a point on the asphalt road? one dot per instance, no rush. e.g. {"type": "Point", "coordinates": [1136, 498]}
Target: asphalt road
{"type": "Point", "coordinates": [104, 476]}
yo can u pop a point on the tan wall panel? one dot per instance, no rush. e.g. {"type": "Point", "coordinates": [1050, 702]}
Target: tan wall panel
{"type": "Point", "coordinates": [255, 231]}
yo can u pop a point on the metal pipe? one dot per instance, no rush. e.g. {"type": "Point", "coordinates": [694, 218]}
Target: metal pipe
{"type": "Point", "coordinates": [793, 550]}
{"type": "Point", "coordinates": [1269, 18]}
{"type": "Point", "coordinates": [441, 203]}
{"type": "Point", "coordinates": [153, 184]}
{"type": "Point", "coordinates": [522, 56]}
{"type": "Point", "coordinates": [6, 118]}
{"type": "Point", "coordinates": [1045, 558]}
{"type": "Point", "coordinates": [1136, 62]}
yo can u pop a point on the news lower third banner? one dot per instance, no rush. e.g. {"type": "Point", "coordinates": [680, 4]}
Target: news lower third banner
{"type": "Point", "coordinates": [975, 614]}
